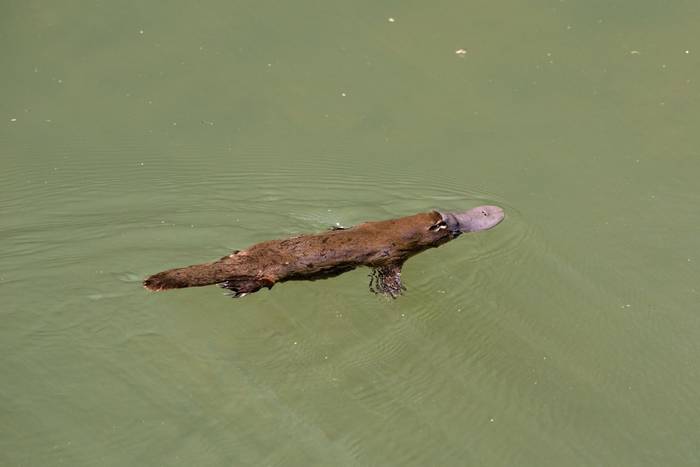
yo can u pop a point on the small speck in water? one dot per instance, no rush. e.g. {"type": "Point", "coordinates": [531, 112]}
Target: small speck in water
{"type": "Point", "coordinates": [13, 120]}
{"type": "Point", "coordinates": [461, 52]}
{"type": "Point", "coordinates": [343, 94]}
{"type": "Point", "coordinates": [141, 31]}
{"type": "Point", "coordinates": [491, 420]}
{"type": "Point", "coordinates": [391, 20]}
{"type": "Point", "coordinates": [634, 52]}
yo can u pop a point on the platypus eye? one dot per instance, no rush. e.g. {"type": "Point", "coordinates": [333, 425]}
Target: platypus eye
{"type": "Point", "coordinates": [438, 226]}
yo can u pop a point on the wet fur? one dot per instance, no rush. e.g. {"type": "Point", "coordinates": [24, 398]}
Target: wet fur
{"type": "Point", "coordinates": [383, 246]}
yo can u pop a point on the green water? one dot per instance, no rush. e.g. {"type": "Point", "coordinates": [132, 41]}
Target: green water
{"type": "Point", "coordinates": [142, 136]}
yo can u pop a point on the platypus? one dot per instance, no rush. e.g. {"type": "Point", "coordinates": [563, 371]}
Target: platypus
{"type": "Point", "coordinates": [383, 246]}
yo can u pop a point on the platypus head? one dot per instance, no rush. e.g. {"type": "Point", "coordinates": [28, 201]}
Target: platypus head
{"type": "Point", "coordinates": [474, 220]}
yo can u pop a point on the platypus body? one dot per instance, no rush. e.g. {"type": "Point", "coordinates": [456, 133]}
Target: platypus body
{"type": "Point", "coordinates": [383, 246]}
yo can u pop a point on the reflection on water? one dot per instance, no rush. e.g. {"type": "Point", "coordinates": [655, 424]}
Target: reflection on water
{"type": "Point", "coordinates": [135, 141]}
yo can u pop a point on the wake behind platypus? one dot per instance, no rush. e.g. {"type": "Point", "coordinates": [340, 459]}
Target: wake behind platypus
{"type": "Point", "coordinates": [383, 246]}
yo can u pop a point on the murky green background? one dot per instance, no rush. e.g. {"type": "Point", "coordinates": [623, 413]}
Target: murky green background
{"type": "Point", "coordinates": [139, 136]}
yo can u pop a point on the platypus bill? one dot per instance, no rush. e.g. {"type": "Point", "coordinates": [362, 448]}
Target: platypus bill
{"type": "Point", "coordinates": [383, 246]}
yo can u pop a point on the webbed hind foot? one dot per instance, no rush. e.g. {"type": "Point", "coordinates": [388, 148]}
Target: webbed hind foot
{"type": "Point", "coordinates": [239, 288]}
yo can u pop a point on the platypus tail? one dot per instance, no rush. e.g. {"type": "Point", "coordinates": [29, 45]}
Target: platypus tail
{"type": "Point", "coordinates": [196, 275]}
{"type": "Point", "coordinates": [221, 272]}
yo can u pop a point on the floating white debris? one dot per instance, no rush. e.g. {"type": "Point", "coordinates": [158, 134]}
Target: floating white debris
{"type": "Point", "coordinates": [461, 52]}
{"type": "Point", "coordinates": [140, 31]}
{"type": "Point", "coordinates": [634, 52]}
{"type": "Point", "coordinates": [687, 52]}
{"type": "Point", "coordinates": [13, 119]}
{"type": "Point", "coordinates": [391, 20]}
{"type": "Point", "coordinates": [343, 94]}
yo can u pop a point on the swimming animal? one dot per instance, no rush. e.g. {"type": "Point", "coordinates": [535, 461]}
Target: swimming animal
{"type": "Point", "coordinates": [383, 246]}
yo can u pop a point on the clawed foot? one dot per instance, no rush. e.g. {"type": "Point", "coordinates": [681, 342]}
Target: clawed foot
{"type": "Point", "coordinates": [386, 281]}
{"type": "Point", "coordinates": [233, 290]}
{"type": "Point", "coordinates": [239, 288]}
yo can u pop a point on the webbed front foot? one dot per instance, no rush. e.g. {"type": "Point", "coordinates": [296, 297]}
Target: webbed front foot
{"type": "Point", "coordinates": [386, 280]}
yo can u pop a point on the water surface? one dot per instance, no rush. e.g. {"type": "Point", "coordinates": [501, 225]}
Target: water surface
{"type": "Point", "coordinates": [137, 138]}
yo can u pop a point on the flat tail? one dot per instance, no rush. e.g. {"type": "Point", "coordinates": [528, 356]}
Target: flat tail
{"type": "Point", "coordinates": [162, 281]}
{"type": "Point", "coordinates": [197, 275]}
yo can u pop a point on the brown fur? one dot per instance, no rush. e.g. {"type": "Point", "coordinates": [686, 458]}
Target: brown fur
{"type": "Point", "coordinates": [383, 245]}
